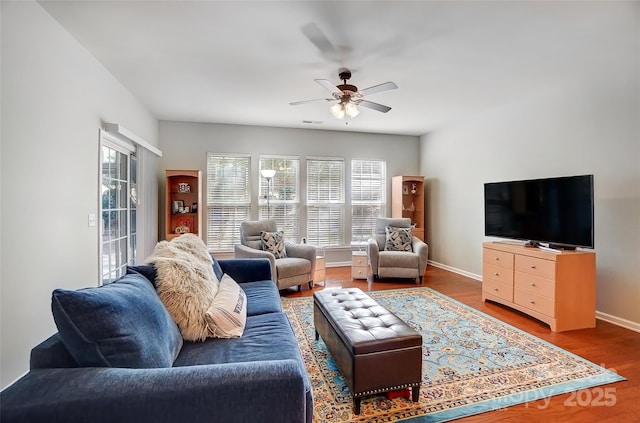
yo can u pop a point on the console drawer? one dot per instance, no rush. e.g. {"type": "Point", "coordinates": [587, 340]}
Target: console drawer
{"type": "Point", "coordinates": [497, 258]}
{"type": "Point", "coordinates": [536, 266]}
{"type": "Point", "coordinates": [535, 302]}
{"type": "Point", "coordinates": [535, 284]}
{"type": "Point", "coordinates": [497, 274]}
{"type": "Point", "coordinates": [491, 286]}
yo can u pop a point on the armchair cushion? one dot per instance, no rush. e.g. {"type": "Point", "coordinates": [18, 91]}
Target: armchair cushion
{"type": "Point", "coordinates": [122, 324]}
{"type": "Point", "coordinates": [273, 242]}
{"type": "Point", "coordinates": [398, 239]}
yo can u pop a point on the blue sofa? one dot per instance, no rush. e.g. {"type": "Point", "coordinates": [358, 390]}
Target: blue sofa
{"type": "Point", "coordinates": [259, 377]}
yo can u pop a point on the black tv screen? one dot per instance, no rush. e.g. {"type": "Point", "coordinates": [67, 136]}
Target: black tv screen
{"type": "Point", "coordinates": [557, 211]}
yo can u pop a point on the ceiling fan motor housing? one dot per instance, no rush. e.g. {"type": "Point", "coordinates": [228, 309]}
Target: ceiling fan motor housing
{"type": "Point", "coordinates": [347, 88]}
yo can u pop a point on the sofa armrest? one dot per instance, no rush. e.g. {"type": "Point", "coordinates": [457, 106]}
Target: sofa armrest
{"type": "Point", "coordinates": [247, 270]}
{"type": "Point", "coordinates": [422, 250]}
{"type": "Point", "coordinates": [242, 251]}
{"type": "Point", "coordinates": [373, 251]}
{"type": "Point", "coordinates": [305, 251]}
{"type": "Point", "coordinates": [265, 391]}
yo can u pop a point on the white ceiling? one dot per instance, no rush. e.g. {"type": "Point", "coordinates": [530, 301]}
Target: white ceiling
{"type": "Point", "coordinates": [242, 62]}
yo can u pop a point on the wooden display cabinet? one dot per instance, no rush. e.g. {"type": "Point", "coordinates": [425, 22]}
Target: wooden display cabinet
{"type": "Point", "coordinates": [183, 203]}
{"type": "Point", "coordinates": [407, 200]}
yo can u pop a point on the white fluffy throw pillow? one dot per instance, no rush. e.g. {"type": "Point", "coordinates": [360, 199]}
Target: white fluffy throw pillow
{"type": "Point", "coordinates": [186, 283]}
{"type": "Point", "coordinates": [227, 315]}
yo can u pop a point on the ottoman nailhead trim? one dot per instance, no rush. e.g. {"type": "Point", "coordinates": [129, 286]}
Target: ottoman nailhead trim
{"type": "Point", "coordinates": [392, 388]}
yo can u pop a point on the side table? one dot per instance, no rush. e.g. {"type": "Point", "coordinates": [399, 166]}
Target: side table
{"type": "Point", "coordinates": [319, 274]}
{"type": "Point", "coordinates": [359, 265]}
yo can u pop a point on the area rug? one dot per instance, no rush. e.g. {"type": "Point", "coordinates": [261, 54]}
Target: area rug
{"type": "Point", "coordinates": [472, 363]}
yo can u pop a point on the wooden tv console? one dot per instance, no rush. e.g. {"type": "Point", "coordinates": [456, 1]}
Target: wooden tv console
{"type": "Point", "coordinates": [556, 288]}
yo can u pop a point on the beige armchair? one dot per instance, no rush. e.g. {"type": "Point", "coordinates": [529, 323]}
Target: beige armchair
{"type": "Point", "coordinates": [396, 264]}
{"type": "Point", "coordinates": [293, 270]}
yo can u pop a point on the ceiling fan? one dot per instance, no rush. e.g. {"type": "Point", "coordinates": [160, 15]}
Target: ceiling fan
{"type": "Point", "coordinates": [348, 96]}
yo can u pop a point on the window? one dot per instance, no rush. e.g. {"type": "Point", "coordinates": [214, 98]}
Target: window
{"type": "Point", "coordinates": [118, 207]}
{"type": "Point", "coordinates": [279, 197]}
{"type": "Point", "coordinates": [368, 197]}
{"type": "Point", "coordinates": [325, 201]}
{"type": "Point", "coordinates": [228, 199]}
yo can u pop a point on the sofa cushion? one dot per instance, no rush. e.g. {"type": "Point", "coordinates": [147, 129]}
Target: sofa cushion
{"type": "Point", "coordinates": [398, 239]}
{"type": "Point", "coordinates": [273, 242]}
{"type": "Point", "coordinates": [122, 324]}
{"type": "Point", "coordinates": [266, 337]}
{"type": "Point", "coordinates": [228, 312]}
{"type": "Point", "coordinates": [186, 283]}
{"type": "Point", "coordinates": [262, 297]}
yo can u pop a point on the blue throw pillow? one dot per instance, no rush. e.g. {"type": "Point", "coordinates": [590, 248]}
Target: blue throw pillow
{"type": "Point", "coordinates": [146, 270]}
{"type": "Point", "coordinates": [122, 324]}
{"type": "Point", "coordinates": [217, 269]}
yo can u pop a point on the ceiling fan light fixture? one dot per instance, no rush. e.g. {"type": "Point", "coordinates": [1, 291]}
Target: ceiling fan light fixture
{"type": "Point", "coordinates": [344, 108]}
{"type": "Point", "coordinates": [351, 110]}
{"type": "Point", "coordinates": [337, 110]}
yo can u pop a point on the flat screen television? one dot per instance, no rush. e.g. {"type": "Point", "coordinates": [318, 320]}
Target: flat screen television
{"type": "Point", "coordinates": [555, 211]}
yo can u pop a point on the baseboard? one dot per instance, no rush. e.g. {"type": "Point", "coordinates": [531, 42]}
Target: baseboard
{"type": "Point", "coordinates": [618, 321]}
{"type": "Point", "coordinates": [456, 270]}
{"type": "Point", "coordinates": [339, 264]}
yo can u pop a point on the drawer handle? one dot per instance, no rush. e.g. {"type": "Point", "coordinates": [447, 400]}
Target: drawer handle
{"type": "Point", "coordinates": [497, 274]}
{"type": "Point", "coordinates": [497, 258]}
{"type": "Point", "coordinates": [496, 289]}
{"type": "Point", "coordinates": [532, 302]}
{"type": "Point", "coordinates": [533, 266]}
{"type": "Point", "coordinates": [532, 284]}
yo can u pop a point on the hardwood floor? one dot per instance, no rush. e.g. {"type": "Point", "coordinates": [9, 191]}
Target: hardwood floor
{"type": "Point", "coordinates": [608, 345]}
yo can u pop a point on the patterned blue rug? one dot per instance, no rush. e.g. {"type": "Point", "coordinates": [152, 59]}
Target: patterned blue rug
{"type": "Point", "coordinates": [472, 363]}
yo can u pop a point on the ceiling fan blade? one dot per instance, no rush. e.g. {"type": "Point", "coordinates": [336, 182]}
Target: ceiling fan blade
{"type": "Point", "coordinates": [317, 37]}
{"type": "Point", "coordinates": [386, 86]}
{"type": "Point", "coordinates": [317, 100]}
{"type": "Point", "coordinates": [371, 105]}
{"type": "Point", "coordinates": [328, 85]}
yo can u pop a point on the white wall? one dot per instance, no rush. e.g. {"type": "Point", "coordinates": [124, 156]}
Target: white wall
{"type": "Point", "coordinates": [587, 125]}
{"type": "Point", "coordinates": [185, 146]}
{"type": "Point", "coordinates": [55, 97]}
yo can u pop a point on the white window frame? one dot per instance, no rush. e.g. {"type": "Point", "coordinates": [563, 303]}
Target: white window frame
{"type": "Point", "coordinates": [114, 261]}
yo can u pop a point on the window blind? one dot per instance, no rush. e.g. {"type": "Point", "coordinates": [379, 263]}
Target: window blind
{"type": "Point", "coordinates": [325, 201]}
{"type": "Point", "coordinates": [368, 197]}
{"type": "Point", "coordinates": [228, 199]}
{"type": "Point", "coordinates": [283, 194]}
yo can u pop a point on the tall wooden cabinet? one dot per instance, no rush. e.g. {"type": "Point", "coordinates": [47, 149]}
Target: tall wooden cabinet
{"type": "Point", "coordinates": [558, 288]}
{"type": "Point", "coordinates": [183, 203]}
{"type": "Point", "coordinates": [407, 200]}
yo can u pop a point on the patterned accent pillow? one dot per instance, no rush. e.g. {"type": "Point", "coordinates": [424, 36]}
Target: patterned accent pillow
{"type": "Point", "coordinates": [398, 239]}
{"type": "Point", "coordinates": [227, 315]}
{"type": "Point", "coordinates": [274, 243]}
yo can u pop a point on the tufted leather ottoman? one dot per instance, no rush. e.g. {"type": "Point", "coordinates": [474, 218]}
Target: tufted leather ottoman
{"type": "Point", "coordinates": [375, 350]}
